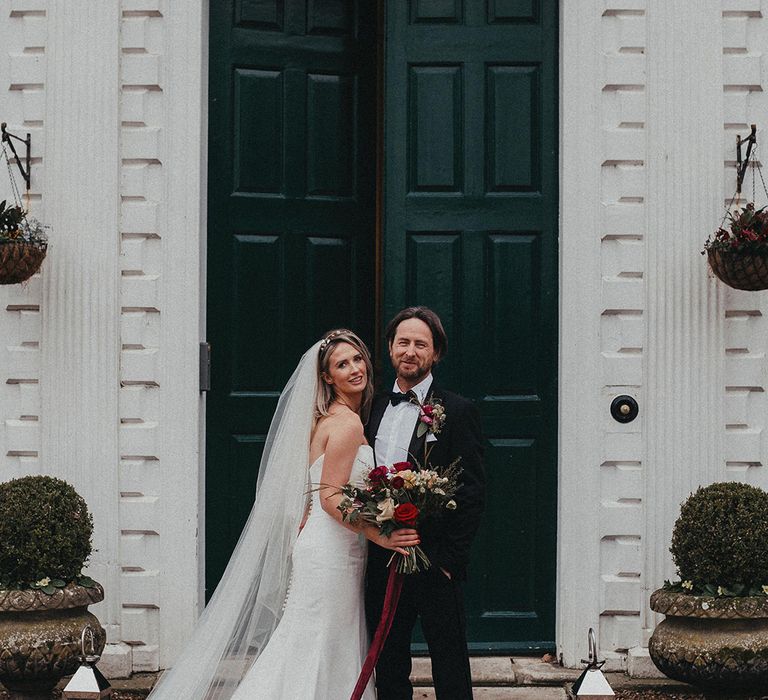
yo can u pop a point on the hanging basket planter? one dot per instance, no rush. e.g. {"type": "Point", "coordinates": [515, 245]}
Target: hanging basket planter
{"type": "Point", "coordinates": [740, 270]}
{"type": "Point", "coordinates": [738, 250]}
{"type": "Point", "coordinates": [23, 244]}
{"type": "Point", "coordinates": [19, 260]}
{"type": "Point", "coordinates": [23, 240]}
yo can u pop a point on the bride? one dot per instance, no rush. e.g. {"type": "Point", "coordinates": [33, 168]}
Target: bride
{"type": "Point", "coordinates": [287, 618]}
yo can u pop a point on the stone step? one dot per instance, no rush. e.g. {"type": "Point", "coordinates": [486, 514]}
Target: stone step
{"type": "Point", "coordinates": [502, 670]}
{"type": "Point", "coordinates": [485, 693]}
{"type": "Point", "coordinates": [529, 674]}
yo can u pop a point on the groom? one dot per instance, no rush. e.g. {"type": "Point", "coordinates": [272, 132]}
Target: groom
{"type": "Point", "coordinates": [416, 342]}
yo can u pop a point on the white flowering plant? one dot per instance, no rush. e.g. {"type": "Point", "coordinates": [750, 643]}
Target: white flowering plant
{"type": "Point", "coordinates": [736, 590]}
{"type": "Point", "coordinates": [16, 226]}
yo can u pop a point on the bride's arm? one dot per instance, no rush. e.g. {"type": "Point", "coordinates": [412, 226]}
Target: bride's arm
{"type": "Point", "coordinates": [340, 452]}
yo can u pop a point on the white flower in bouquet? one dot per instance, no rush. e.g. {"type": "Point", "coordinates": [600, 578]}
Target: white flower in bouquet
{"type": "Point", "coordinates": [387, 510]}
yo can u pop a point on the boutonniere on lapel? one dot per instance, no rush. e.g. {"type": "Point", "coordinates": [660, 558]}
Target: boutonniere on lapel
{"type": "Point", "coordinates": [431, 416]}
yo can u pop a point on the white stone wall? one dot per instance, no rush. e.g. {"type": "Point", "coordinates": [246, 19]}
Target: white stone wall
{"type": "Point", "coordinates": [98, 368]}
{"type": "Point", "coordinates": [745, 38]}
{"type": "Point", "coordinates": [622, 325]}
{"type": "Point", "coordinates": [143, 116]}
{"type": "Point", "coordinates": [649, 114]}
{"type": "Point", "coordinates": [22, 106]}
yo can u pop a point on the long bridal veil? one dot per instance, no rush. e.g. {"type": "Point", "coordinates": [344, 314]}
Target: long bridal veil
{"type": "Point", "coordinates": [247, 604]}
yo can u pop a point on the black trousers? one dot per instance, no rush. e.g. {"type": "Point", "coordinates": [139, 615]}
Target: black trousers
{"type": "Point", "coordinates": [438, 601]}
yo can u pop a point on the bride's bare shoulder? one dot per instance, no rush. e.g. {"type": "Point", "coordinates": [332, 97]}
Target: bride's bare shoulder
{"type": "Point", "coordinates": [341, 426]}
{"type": "Point", "coordinates": [347, 422]}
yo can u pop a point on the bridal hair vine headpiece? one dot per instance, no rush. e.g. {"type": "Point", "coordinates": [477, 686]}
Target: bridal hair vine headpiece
{"type": "Point", "coordinates": [327, 340]}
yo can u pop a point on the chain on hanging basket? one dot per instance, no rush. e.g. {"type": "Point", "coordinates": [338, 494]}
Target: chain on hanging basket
{"type": "Point", "coordinates": [23, 241]}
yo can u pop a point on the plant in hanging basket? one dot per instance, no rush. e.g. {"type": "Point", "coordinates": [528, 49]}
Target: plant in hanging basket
{"type": "Point", "coordinates": [10, 220]}
{"type": "Point", "coordinates": [738, 254]}
{"type": "Point", "coordinates": [23, 244]}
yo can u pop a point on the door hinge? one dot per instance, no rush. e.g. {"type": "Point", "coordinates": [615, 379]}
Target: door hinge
{"type": "Point", "coordinates": [205, 367]}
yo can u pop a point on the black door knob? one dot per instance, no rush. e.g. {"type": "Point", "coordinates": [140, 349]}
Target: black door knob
{"type": "Point", "coordinates": [624, 409]}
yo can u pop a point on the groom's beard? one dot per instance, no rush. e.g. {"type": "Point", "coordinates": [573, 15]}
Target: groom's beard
{"type": "Point", "coordinates": [417, 373]}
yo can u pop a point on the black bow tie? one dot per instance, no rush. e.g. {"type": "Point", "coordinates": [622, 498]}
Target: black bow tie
{"type": "Point", "coordinates": [396, 397]}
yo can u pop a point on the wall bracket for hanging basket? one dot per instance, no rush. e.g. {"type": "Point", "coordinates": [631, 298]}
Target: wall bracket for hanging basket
{"type": "Point", "coordinates": [741, 166]}
{"type": "Point", "coordinates": [6, 137]}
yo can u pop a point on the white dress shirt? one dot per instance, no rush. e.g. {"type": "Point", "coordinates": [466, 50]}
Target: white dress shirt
{"type": "Point", "coordinates": [397, 425]}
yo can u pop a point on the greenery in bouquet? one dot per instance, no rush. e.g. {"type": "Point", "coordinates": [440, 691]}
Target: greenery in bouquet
{"type": "Point", "coordinates": [401, 496]}
{"type": "Point", "coordinates": [16, 226]}
{"type": "Point", "coordinates": [745, 232]}
{"type": "Point", "coordinates": [45, 534]}
{"type": "Point", "coordinates": [720, 542]}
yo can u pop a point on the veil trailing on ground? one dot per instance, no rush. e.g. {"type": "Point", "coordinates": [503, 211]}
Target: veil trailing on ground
{"type": "Point", "coordinates": [247, 604]}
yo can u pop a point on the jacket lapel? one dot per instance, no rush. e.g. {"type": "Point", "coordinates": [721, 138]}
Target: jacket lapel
{"type": "Point", "coordinates": [416, 448]}
{"type": "Point", "coordinates": [374, 421]}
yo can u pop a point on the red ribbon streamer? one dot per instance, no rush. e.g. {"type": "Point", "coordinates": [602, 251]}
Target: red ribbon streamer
{"type": "Point", "coordinates": [391, 598]}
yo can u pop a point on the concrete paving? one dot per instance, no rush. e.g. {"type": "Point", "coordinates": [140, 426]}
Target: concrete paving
{"type": "Point", "coordinates": [495, 678]}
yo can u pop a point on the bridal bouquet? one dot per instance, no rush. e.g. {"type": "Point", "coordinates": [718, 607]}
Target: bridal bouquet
{"type": "Point", "coordinates": [399, 496]}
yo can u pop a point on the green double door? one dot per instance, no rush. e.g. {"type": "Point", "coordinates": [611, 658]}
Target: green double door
{"type": "Point", "coordinates": [345, 184]}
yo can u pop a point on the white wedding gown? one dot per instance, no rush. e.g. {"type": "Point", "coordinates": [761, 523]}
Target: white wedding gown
{"type": "Point", "coordinates": [320, 643]}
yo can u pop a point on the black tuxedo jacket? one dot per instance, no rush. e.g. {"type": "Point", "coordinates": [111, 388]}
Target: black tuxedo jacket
{"type": "Point", "coordinates": [446, 539]}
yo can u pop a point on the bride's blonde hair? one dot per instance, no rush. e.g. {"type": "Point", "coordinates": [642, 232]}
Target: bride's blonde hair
{"type": "Point", "coordinates": [325, 392]}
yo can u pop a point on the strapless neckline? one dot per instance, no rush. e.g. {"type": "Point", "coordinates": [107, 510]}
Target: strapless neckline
{"type": "Point", "coordinates": [323, 454]}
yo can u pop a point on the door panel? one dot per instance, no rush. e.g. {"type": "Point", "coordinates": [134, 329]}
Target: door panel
{"type": "Point", "coordinates": [435, 162]}
{"type": "Point", "coordinates": [469, 213]}
{"type": "Point", "coordinates": [512, 129]}
{"type": "Point", "coordinates": [290, 221]}
{"type": "Point", "coordinates": [470, 229]}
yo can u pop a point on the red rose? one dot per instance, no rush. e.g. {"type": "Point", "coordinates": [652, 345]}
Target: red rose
{"type": "Point", "coordinates": [428, 409]}
{"type": "Point", "coordinates": [401, 466]}
{"type": "Point", "coordinates": [397, 482]}
{"type": "Point", "coordinates": [377, 475]}
{"type": "Point", "coordinates": [406, 514]}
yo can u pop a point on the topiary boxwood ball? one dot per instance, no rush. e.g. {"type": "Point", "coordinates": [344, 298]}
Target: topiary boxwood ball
{"type": "Point", "coordinates": [721, 536]}
{"type": "Point", "coordinates": [45, 531]}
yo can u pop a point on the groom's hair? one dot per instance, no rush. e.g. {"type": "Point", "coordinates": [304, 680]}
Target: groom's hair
{"type": "Point", "coordinates": [425, 314]}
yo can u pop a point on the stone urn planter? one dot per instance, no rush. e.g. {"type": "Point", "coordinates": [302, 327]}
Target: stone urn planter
{"type": "Point", "coordinates": [40, 636]}
{"type": "Point", "coordinates": [717, 643]}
